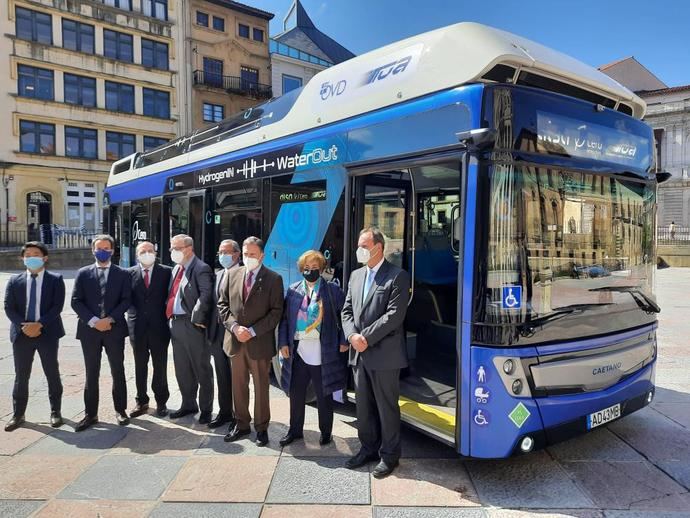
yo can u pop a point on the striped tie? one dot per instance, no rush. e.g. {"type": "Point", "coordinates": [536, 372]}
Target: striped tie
{"type": "Point", "coordinates": [102, 281]}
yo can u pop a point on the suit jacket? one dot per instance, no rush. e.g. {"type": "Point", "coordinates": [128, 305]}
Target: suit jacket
{"type": "Point", "coordinates": [216, 329]}
{"type": "Point", "coordinates": [261, 311]}
{"type": "Point", "coordinates": [86, 300]}
{"type": "Point", "coordinates": [196, 290]}
{"type": "Point", "coordinates": [380, 317]}
{"type": "Point", "coordinates": [52, 301]}
{"type": "Point", "coordinates": [146, 315]}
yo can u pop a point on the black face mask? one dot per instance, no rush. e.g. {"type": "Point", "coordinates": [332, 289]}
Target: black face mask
{"type": "Point", "coordinates": [311, 275]}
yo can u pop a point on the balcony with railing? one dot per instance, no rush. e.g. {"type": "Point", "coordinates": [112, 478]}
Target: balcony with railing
{"type": "Point", "coordinates": [275, 47]}
{"type": "Point", "coordinates": [233, 84]}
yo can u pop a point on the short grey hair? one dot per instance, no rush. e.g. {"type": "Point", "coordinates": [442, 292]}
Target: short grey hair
{"type": "Point", "coordinates": [376, 233]}
{"type": "Point", "coordinates": [145, 243]}
{"type": "Point", "coordinates": [253, 240]}
{"type": "Point", "coordinates": [235, 246]}
{"type": "Point", "coordinates": [188, 241]}
{"type": "Point", "coordinates": [103, 237]}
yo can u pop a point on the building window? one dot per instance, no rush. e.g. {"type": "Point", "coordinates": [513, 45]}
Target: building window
{"type": "Point", "coordinates": [118, 45]}
{"type": "Point", "coordinates": [118, 145]}
{"type": "Point", "coordinates": [213, 72]}
{"type": "Point", "coordinates": [213, 112]}
{"type": "Point", "coordinates": [36, 83]}
{"type": "Point", "coordinates": [156, 103]}
{"type": "Point", "coordinates": [77, 36]}
{"type": "Point", "coordinates": [35, 137]}
{"type": "Point", "coordinates": [219, 23]}
{"type": "Point", "coordinates": [120, 4]}
{"type": "Point", "coordinates": [34, 26]}
{"type": "Point", "coordinates": [153, 142]}
{"type": "Point", "coordinates": [291, 83]}
{"type": "Point", "coordinates": [156, 8]}
{"type": "Point", "coordinates": [80, 90]}
{"type": "Point", "coordinates": [154, 54]}
{"type": "Point", "coordinates": [258, 34]}
{"type": "Point", "coordinates": [81, 142]}
{"type": "Point", "coordinates": [249, 77]}
{"type": "Point", "coordinates": [243, 30]}
{"type": "Point", "coordinates": [119, 97]}
{"type": "Point", "coordinates": [202, 19]}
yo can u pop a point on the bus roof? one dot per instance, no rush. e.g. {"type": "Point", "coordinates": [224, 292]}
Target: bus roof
{"type": "Point", "coordinates": [434, 61]}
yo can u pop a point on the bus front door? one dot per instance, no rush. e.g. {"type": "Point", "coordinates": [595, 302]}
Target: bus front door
{"type": "Point", "coordinates": [417, 209]}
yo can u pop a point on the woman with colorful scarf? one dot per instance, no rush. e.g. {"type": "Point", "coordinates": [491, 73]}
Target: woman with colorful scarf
{"type": "Point", "coordinates": [311, 346]}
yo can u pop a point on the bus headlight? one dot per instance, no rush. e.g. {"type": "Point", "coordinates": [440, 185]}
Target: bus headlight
{"type": "Point", "coordinates": [517, 387]}
{"type": "Point", "coordinates": [508, 366]}
{"type": "Point", "coordinates": [526, 444]}
{"type": "Point", "coordinates": [650, 396]}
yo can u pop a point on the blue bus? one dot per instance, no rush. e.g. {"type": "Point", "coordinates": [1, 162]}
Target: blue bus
{"type": "Point", "coordinates": [516, 185]}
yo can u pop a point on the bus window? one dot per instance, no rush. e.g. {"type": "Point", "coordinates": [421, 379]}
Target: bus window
{"type": "Point", "coordinates": [175, 218]}
{"type": "Point", "coordinates": [237, 212]}
{"type": "Point", "coordinates": [155, 235]}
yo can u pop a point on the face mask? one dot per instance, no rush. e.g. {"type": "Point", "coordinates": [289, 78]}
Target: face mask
{"type": "Point", "coordinates": [177, 256]}
{"type": "Point", "coordinates": [226, 260]}
{"type": "Point", "coordinates": [33, 263]}
{"type": "Point", "coordinates": [364, 255]}
{"type": "Point", "coordinates": [251, 263]}
{"type": "Point", "coordinates": [147, 258]}
{"type": "Point", "coordinates": [103, 256]}
{"type": "Point", "coordinates": [311, 275]}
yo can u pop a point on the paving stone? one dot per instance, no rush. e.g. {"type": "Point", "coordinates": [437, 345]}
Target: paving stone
{"type": "Point", "coordinates": [645, 514]}
{"type": "Point", "coordinates": [316, 511]}
{"type": "Point", "coordinates": [310, 447]}
{"type": "Point", "coordinates": [427, 512]}
{"type": "Point", "coordinates": [678, 470]}
{"type": "Point", "coordinates": [617, 485]}
{"type": "Point", "coordinates": [318, 480]}
{"type": "Point", "coordinates": [598, 445]}
{"type": "Point", "coordinates": [95, 508]}
{"type": "Point", "coordinates": [19, 508]}
{"type": "Point", "coordinates": [188, 510]}
{"type": "Point", "coordinates": [227, 478]}
{"type": "Point", "coordinates": [668, 503]}
{"type": "Point", "coordinates": [533, 481]}
{"type": "Point", "coordinates": [561, 513]}
{"type": "Point", "coordinates": [125, 477]}
{"type": "Point", "coordinates": [425, 482]}
{"type": "Point", "coordinates": [213, 444]}
{"type": "Point", "coordinates": [21, 438]}
{"type": "Point", "coordinates": [149, 435]}
{"type": "Point", "coordinates": [94, 441]}
{"type": "Point", "coordinates": [678, 411]}
{"type": "Point", "coordinates": [38, 477]}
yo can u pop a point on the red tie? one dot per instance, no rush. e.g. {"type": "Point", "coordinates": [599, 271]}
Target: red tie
{"type": "Point", "coordinates": [146, 279]}
{"type": "Point", "coordinates": [173, 292]}
{"type": "Point", "coordinates": [247, 285]}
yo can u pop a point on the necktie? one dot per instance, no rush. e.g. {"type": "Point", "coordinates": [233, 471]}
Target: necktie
{"type": "Point", "coordinates": [31, 312]}
{"type": "Point", "coordinates": [247, 285]}
{"type": "Point", "coordinates": [102, 281]}
{"type": "Point", "coordinates": [146, 279]}
{"type": "Point", "coordinates": [368, 282]}
{"type": "Point", "coordinates": [173, 292]}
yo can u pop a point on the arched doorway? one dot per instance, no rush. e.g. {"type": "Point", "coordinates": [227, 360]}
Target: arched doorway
{"type": "Point", "coordinates": [39, 213]}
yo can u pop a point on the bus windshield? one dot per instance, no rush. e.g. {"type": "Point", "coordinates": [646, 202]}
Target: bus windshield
{"type": "Point", "coordinates": [567, 255]}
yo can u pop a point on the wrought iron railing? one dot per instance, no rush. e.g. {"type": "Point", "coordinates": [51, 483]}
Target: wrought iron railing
{"type": "Point", "coordinates": [233, 84]}
{"type": "Point", "coordinates": [53, 236]}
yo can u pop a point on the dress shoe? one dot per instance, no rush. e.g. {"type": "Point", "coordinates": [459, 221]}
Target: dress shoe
{"type": "Point", "coordinates": [162, 411]}
{"type": "Point", "coordinates": [122, 418]}
{"type": "Point", "coordinates": [383, 469]}
{"type": "Point", "coordinates": [181, 413]}
{"type": "Point", "coordinates": [261, 438]}
{"type": "Point", "coordinates": [360, 460]}
{"type": "Point", "coordinates": [235, 434]}
{"type": "Point", "coordinates": [14, 423]}
{"type": "Point", "coordinates": [325, 439]}
{"type": "Point", "coordinates": [85, 423]}
{"type": "Point", "coordinates": [56, 420]}
{"type": "Point", "coordinates": [140, 409]}
{"type": "Point", "coordinates": [220, 420]}
{"type": "Point", "coordinates": [288, 438]}
{"type": "Point", "coordinates": [205, 417]}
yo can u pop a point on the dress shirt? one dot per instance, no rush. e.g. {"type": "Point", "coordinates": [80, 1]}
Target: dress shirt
{"type": "Point", "coordinates": [177, 305]}
{"type": "Point", "coordinates": [370, 271]}
{"type": "Point", "coordinates": [39, 284]}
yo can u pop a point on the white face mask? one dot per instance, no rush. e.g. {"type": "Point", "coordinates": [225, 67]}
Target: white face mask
{"type": "Point", "coordinates": [364, 255]}
{"type": "Point", "coordinates": [147, 258]}
{"type": "Point", "coordinates": [177, 256]}
{"type": "Point", "coordinates": [251, 263]}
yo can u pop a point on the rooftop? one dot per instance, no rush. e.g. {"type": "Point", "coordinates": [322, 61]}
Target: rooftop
{"type": "Point", "coordinates": [243, 8]}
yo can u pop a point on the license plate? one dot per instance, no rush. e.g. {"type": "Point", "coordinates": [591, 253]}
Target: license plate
{"type": "Point", "coordinates": [603, 416]}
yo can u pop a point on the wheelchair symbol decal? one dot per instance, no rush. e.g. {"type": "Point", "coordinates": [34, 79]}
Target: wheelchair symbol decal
{"type": "Point", "coordinates": [512, 297]}
{"type": "Point", "coordinates": [481, 418]}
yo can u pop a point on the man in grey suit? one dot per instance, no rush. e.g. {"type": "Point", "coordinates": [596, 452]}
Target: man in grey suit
{"type": "Point", "coordinates": [189, 310]}
{"type": "Point", "coordinates": [373, 316]}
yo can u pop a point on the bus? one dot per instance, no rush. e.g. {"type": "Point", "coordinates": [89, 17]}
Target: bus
{"type": "Point", "coordinates": [515, 184]}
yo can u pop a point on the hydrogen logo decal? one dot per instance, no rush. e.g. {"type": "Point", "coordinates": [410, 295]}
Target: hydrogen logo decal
{"type": "Point", "coordinates": [389, 69]}
{"type": "Point", "coordinates": [329, 89]}
{"type": "Point", "coordinates": [512, 297]}
{"type": "Point", "coordinates": [481, 417]}
{"type": "Point", "coordinates": [519, 415]}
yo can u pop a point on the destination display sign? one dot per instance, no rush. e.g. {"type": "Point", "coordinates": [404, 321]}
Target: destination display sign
{"type": "Point", "coordinates": [300, 192]}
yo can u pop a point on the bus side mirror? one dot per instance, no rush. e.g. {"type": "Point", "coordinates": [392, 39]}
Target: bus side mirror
{"type": "Point", "coordinates": [663, 176]}
{"type": "Point", "coordinates": [477, 139]}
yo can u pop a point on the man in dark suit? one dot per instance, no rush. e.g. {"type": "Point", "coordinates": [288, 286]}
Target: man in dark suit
{"type": "Point", "coordinates": [373, 316]}
{"type": "Point", "coordinates": [251, 305]}
{"type": "Point", "coordinates": [101, 296]}
{"type": "Point", "coordinates": [149, 332]}
{"type": "Point", "coordinates": [229, 258]}
{"type": "Point", "coordinates": [189, 309]}
{"type": "Point", "coordinates": [33, 303]}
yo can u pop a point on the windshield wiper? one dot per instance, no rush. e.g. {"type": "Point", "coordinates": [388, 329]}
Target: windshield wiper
{"type": "Point", "coordinates": [644, 301]}
{"type": "Point", "coordinates": [527, 328]}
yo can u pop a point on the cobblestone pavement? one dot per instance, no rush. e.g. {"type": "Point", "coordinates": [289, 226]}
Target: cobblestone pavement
{"type": "Point", "coordinates": [638, 466]}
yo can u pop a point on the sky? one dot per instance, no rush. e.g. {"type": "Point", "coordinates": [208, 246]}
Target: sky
{"type": "Point", "coordinates": [596, 32]}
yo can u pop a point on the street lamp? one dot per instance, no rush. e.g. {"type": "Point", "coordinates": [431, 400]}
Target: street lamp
{"type": "Point", "coordinates": [6, 179]}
